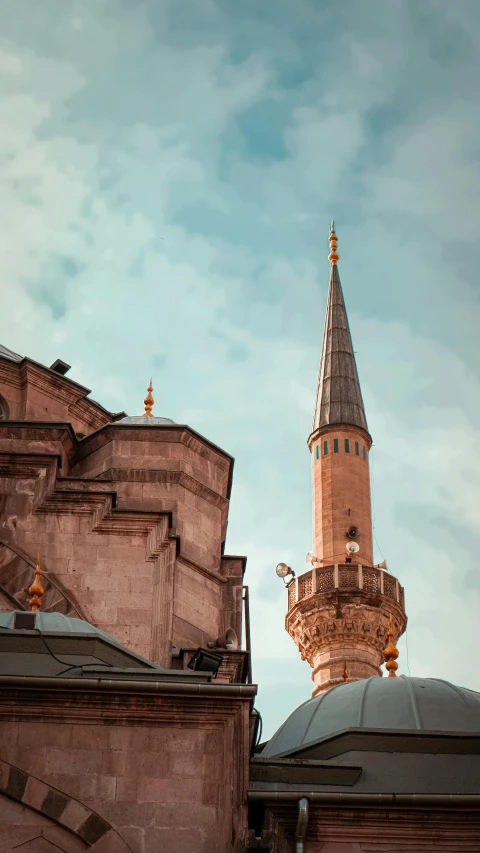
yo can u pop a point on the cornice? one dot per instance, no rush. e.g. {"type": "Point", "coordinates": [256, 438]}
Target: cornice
{"type": "Point", "coordinates": [149, 475]}
{"type": "Point", "coordinates": [87, 700]}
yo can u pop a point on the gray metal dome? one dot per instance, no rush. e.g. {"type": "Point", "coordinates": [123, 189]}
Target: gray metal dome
{"type": "Point", "coordinates": [421, 704]}
{"type": "Point", "coordinates": [141, 420]}
{"type": "Point", "coordinates": [55, 622]}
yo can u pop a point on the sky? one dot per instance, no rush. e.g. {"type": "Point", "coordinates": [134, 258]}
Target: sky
{"type": "Point", "coordinates": [237, 132]}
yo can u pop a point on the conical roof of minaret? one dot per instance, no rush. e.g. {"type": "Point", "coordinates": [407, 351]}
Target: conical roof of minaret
{"type": "Point", "coordinates": [339, 398]}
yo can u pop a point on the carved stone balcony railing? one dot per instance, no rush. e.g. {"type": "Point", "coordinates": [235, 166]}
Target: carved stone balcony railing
{"type": "Point", "coordinates": [346, 577]}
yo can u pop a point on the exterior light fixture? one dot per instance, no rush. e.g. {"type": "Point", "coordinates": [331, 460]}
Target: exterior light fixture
{"type": "Point", "coordinates": [286, 573]}
{"type": "Point", "coordinates": [205, 660]}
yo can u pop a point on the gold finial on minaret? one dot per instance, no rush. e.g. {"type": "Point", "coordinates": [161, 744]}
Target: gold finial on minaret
{"type": "Point", "coordinates": [333, 240]}
{"type": "Point", "coordinates": [148, 402]}
{"type": "Point", "coordinates": [345, 673]}
{"type": "Point", "coordinates": [391, 652]}
{"type": "Point", "coordinates": [36, 590]}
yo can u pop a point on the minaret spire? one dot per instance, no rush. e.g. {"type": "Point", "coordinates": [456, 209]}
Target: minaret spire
{"type": "Point", "coordinates": [339, 398]}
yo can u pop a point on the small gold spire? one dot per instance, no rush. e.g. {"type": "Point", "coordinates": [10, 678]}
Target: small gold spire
{"type": "Point", "coordinates": [345, 673]}
{"type": "Point", "coordinates": [391, 652]}
{"type": "Point", "coordinates": [333, 240]}
{"type": "Point", "coordinates": [148, 402]}
{"type": "Point", "coordinates": [36, 590]}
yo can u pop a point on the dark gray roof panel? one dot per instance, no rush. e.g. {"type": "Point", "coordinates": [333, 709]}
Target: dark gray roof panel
{"type": "Point", "coordinates": [339, 398]}
{"type": "Point", "coordinates": [382, 772]}
{"type": "Point", "coordinates": [411, 704]}
{"type": "Point", "coordinates": [7, 353]}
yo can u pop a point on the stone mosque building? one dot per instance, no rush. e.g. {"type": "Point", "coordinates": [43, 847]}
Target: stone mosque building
{"type": "Point", "coordinates": [128, 721]}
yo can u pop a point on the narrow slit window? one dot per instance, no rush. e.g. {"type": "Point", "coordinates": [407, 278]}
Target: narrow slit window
{"type": "Point", "coordinates": [335, 445]}
{"type": "Point", "coordinates": [357, 449]}
{"type": "Point", "coordinates": [364, 452]}
{"type": "Point", "coordinates": [347, 445]}
{"type": "Point", "coordinates": [325, 448]}
{"type": "Point", "coordinates": [317, 454]}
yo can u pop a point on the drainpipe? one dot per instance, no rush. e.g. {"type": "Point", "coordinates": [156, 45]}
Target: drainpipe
{"type": "Point", "coordinates": [302, 824]}
{"type": "Point", "coordinates": [119, 685]}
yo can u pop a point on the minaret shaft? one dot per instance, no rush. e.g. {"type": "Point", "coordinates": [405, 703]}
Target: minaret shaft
{"type": "Point", "coordinates": [341, 493]}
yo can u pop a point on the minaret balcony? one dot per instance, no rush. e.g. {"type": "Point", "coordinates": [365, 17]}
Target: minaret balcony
{"type": "Point", "coordinates": [345, 577]}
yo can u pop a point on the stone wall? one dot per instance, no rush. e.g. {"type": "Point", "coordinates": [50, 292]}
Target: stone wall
{"type": "Point", "coordinates": [167, 773]}
{"type": "Point", "coordinates": [130, 522]}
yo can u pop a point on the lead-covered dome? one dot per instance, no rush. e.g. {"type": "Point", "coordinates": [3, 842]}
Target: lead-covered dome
{"type": "Point", "coordinates": [141, 420]}
{"type": "Point", "coordinates": [421, 704]}
{"type": "Point", "coordinates": [52, 621]}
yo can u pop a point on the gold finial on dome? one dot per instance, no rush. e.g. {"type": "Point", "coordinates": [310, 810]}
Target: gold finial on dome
{"type": "Point", "coordinates": [391, 652]}
{"type": "Point", "coordinates": [36, 590]}
{"type": "Point", "coordinates": [148, 402]}
{"type": "Point", "coordinates": [346, 674]}
{"type": "Point", "coordinates": [333, 240]}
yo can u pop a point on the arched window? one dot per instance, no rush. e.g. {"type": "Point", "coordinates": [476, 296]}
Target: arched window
{"type": "Point", "coordinates": [3, 410]}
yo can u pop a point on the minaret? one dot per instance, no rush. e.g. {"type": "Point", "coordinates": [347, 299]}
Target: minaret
{"type": "Point", "coordinates": [339, 611]}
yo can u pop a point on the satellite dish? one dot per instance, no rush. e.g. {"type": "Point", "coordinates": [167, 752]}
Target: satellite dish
{"type": "Point", "coordinates": [283, 570]}
{"type": "Point", "coordinates": [352, 547]}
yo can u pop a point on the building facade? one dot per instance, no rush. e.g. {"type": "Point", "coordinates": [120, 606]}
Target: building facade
{"type": "Point", "coordinates": [127, 719]}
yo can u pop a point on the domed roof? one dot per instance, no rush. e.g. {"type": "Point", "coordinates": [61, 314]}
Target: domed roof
{"type": "Point", "coordinates": [422, 704]}
{"type": "Point", "coordinates": [141, 420]}
{"type": "Point", "coordinates": [55, 622]}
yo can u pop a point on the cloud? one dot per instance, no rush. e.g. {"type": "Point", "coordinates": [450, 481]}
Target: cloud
{"type": "Point", "coordinates": [237, 138]}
